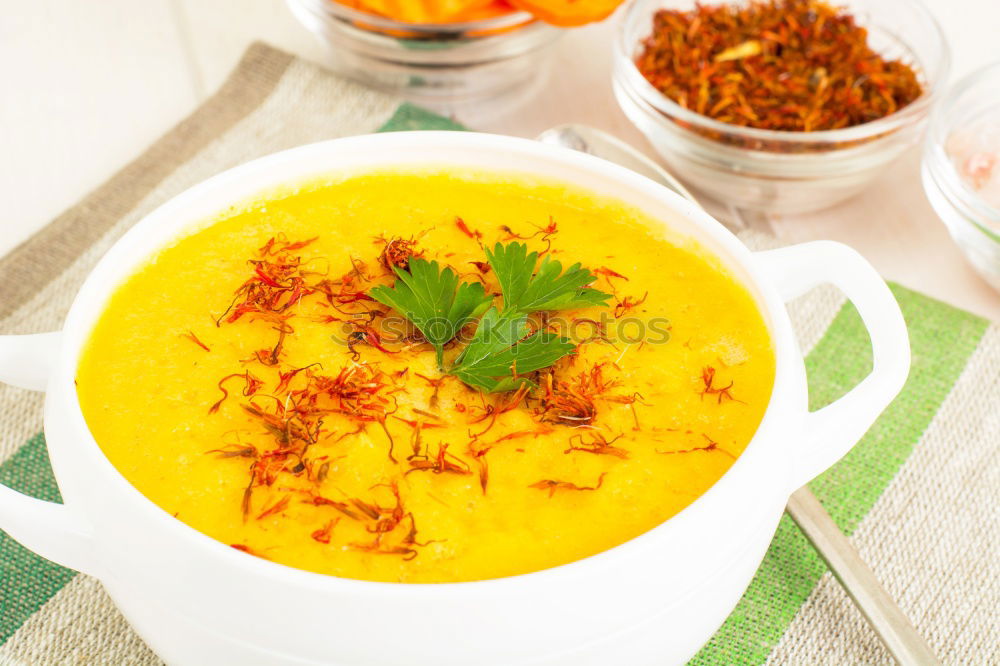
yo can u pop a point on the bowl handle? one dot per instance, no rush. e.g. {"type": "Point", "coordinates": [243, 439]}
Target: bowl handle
{"type": "Point", "coordinates": [830, 432]}
{"type": "Point", "coordinates": [52, 530]}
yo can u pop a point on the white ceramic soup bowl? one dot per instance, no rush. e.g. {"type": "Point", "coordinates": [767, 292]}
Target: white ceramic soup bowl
{"type": "Point", "coordinates": [654, 599]}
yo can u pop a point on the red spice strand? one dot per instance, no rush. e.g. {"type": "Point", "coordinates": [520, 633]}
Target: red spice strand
{"type": "Point", "coordinates": [474, 234]}
{"type": "Point", "coordinates": [357, 391]}
{"type": "Point", "coordinates": [431, 381]}
{"type": "Point", "coordinates": [285, 378]}
{"type": "Point", "coordinates": [482, 266]}
{"type": "Point", "coordinates": [545, 232]}
{"type": "Point", "coordinates": [548, 229]}
{"type": "Point", "coordinates": [627, 304]}
{"type": "Point", "coordinates": [598, 446]}
{"type": "Point", "coordinates": [249, 551]}
{"type": "Point", "coordinates": [252, 385]}
{"type": "Point", "coordinates": [413, 423]}
{"type": "Point", "coordinates": [574, 401]}
{"type": "Point", "coordinates": [424, 412]}
{"type": "Point", "coordinates": [440, 463]}
{"type": "Point", "coordinates": [484, 472]}
{"type": "Point", "coordinates": [278, 244]}
{"type": "Point", "coordinates": [323, 534]}
{"type": "Point", "coordinates": [365, 334]}
{"type": "Point", "coordinates": [510, 235]}
{"type": "Point", "coordinates": [235, 451]}
{"type": "Point", "coordinates": [277, 507]}
{"type": "Point", "coordinates": [295, 421]}
{"type": "Point", "coordinates": [273, 289]}
{"type": "Point", "coordinates": [406, 544]}
{"type": "Point", "coordinates": [608, 273]}
{"type": "Point", "coordinates": [194, 338]}
{"type": "Point", "coordinates": [367, 509]}
{"type": "Point", "coordinates": [553, 485]}
{"type": "Point", "coordinates": [387, 519]}
{"type": "Point", "coordinates": [542, 429]}
{"type": "Point", "coordinates": [377, 548]}
{"type": "Point", "coordinates": [711, 446]}
{"type": "Point", "coordinates": [277, 284]}
{"type": "Point", "coordinates": [723, 392]}
{"type": "Point", "coordinates": [479, 450]}
{"type": "Point", "coordinates": [493, 411]}
{"type": "Point", "coordinates": [411, 536]}
{"type": "Point", "coordinates": [319, 500]}
{"type": "Point", "coordinates": [346, 289]}
{"type": "Point", "coordinates": [397, 252]}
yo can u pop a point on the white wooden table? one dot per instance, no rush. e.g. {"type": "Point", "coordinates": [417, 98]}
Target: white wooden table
{"type": "Point", "coordinates": [87, 85]}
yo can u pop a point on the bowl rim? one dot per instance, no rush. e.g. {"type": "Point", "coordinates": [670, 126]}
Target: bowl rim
{"type": "Point", "coordinates": [333, 9]}
{"type": "Point", "coordinates": [911, 113]}
{"type": "Point", "coordinates": [784, 409]}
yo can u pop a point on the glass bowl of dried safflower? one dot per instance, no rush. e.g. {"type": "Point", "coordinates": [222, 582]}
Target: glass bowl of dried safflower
{"type": "Point", "coordinates": [781, 106]}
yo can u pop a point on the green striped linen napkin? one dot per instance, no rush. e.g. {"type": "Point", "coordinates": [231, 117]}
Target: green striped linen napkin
{"type": "Point", "coordinates": [918, 495]}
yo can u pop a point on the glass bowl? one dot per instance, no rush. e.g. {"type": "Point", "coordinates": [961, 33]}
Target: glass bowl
{"type": "Point", "coordinates": [435, 64]}
{"type": "Point", "coordinates": [970, 113]}
{"type": "Point", "coordinates": [784, 171]}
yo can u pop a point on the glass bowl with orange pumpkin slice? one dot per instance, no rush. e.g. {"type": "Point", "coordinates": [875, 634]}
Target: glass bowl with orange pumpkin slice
{"type": "Point", "coordinates": [441, 52]}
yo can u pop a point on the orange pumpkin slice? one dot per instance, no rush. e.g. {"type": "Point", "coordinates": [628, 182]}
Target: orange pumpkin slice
{"type": "Point", "coordinates": [490, 10]}
{"type": "Point", "coordinates": [568, 13]}
{"type": "Point", "coordinates": [418, 11]}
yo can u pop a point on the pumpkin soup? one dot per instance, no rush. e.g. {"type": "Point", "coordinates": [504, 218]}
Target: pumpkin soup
{"type": "Point", "coordinates": [427, 376]}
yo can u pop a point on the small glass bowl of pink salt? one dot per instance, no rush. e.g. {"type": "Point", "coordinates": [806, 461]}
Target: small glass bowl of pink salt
{"type": "Point", "coordinates": [961, 168]}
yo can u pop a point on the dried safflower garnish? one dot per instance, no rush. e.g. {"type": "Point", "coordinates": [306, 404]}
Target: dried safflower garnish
{"type": "Point", "coordinates": [307, 406]}
{"type": "Point", "coordinates": [597, 445]}
{"type": "Point", "coordinates": [474, 234]}
{"type": "Point", "coordinates": [628, 303]}
{"type": "Point", "coordinates": [553, 485]}
{"type": "Point", "coordinates": [295, 418]}
{"type": "Point", "coordinates": [573, 401]}
{"type": "Point", "coordinates": [721, 392]}
{"type": "Point", "coordinates": [319, 500]}
{"type": "Point", "coordinates": [479, 455]}
{"type": "Point", "coordinates": [251, 385]}
{"type": "Point", "coordinates": [712, 445]}
{"type": "Point", "coordinates": [608, 274]}
{"type": "Point", "coordinates": [441, 462]}
{"type": "Point", "coordinates": [364, 334]}
{"type": "Point", "coordinates": [792, 65]}
{"type": "Point", "coordinates": [243, 548]}
{"type": "Point", "coordinates": [194, 338]}
{"type": "Point", "coordinates": [397, 252]}
{"type": "Point", "coordinates": [323, 534]}
{"type": "Point", "coordinates": [277, 284]}
{"type": "Point", "coordinates": [279, 506]}
{"type": "Point", "coordinates": [387, 520]}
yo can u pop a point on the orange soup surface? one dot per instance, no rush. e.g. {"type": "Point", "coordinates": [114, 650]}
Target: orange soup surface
{"type": "Point", "coordinates": [266, 379]}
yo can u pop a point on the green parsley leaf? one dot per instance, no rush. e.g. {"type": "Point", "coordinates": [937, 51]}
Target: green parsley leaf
{"type": "Point", "coordinates": [499, 349]}
{"type": "Point", "coordinates": [434, 299]}
{"type": "Point", "coordinates": [503, 348]}
{"type": "Point", "coordinates": [525, 290]}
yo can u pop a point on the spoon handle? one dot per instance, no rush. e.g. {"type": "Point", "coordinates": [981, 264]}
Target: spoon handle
{"type": "Point", "coordinates": [893, 628]}
{"type": "Point", "coordinates": [890, 624]}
